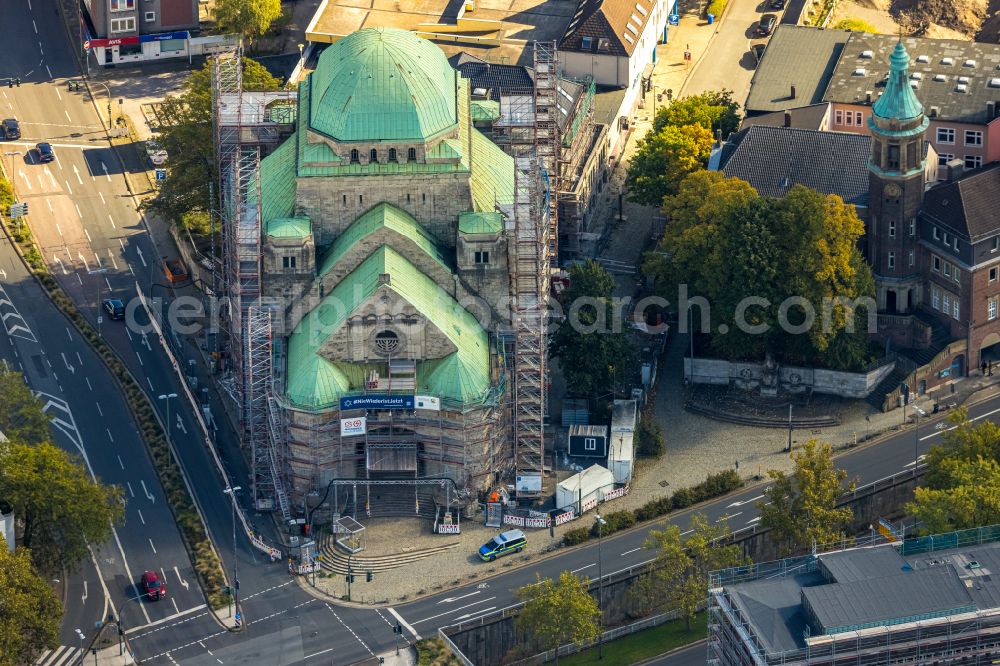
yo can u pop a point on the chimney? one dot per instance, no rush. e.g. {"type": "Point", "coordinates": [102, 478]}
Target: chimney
{"type": "Point", "coordinates": [788, 119]}
{"type": "Point", "coordinates": [793, 92]}
{"type": "Point", "coordinates": [955, 168]}
{"type": "Point", "coordinates": [991, 110]}
{"type": "Point", "coordinates": [718, 137]}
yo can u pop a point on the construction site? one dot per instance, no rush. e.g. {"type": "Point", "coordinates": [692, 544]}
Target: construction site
{"type": "Point", "coordinates": [385, 283]}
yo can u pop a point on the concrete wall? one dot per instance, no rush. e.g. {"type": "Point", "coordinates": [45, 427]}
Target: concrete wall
{"type": "Point", "coordinates": [750, 376]}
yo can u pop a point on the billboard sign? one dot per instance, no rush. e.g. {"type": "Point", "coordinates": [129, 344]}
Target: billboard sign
{"type": "Point", "coordinates": [376, 402]}
{"type": "Point", "coordinates": [352, 427]}
{"type": "Point", "coordinates": [428, 402]}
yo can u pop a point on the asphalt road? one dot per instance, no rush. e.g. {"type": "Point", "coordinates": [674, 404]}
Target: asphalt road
{"type": "Point", "coordinates": [86, 221]}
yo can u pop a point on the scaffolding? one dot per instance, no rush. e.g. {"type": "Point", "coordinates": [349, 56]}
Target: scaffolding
{"type": "Point", "coordinates": [547, 140]}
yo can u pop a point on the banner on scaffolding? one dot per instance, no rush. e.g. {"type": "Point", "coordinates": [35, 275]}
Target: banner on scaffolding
{"type": "Point", "coordinates": [352, 427]}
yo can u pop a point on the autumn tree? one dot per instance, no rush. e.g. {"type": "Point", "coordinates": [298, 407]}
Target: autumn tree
{"type": "Point", "coordinates": [248, 18]}
{"type": "Point", "coordinates": [186, 135]}
{"type": "Point", "coordinates": [679, 575]}
{"type": "Point", "coordinates": [21, 415]}
{"type": "Point", "coordinates": [801, 507]}
{"type": "Point", "coordinates": [714, 110]}
{"type": "Point", "coordinates": [60, 506]}
{"type": "Point", "coordinates": [557, 613]}
{"type": "Point", "coordinates": [962, 484]}
{"type": "Point", "coordinates": [662, 160]}
{"type": "Point", "coordinates": [30, 612]}
{"type": "Point", "coordinates": [591, 343]}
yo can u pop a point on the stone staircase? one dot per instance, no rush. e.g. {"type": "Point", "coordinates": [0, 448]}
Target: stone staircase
{"type": "Point", "coordinates": [889, 384]}
{"type": "Point", "coordinates": [335, 559]}
{"type": "Point", "coordinates": [391, 501]}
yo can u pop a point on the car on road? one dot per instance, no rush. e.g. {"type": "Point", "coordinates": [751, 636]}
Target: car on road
{"type": "Point", "coordinates": [11, 129]}
{"type": "Point", "coordinates": [114, 307]}
{"type": "Point", "coordinates": [511, 541]}
{"type": "Point", "coordinates": [776, 4]}
{"type": "Point", "coordinates": [757, 50]}
{"type": "Point", "coordinates": [45, 153]}
{"type": "Point", "coordinates": [154, 588]}
{"type": "Point", "coordinates": [766, 25]}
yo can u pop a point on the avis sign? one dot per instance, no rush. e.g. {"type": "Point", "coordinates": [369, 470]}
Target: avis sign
{"type": "Point", "coordinates": [351, 427]}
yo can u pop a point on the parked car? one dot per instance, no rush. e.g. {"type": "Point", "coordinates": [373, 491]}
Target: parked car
{"type": "Point", "coordinates": [757, 50]}
{"type": "Point", "coordinates": [511, 541]}
{"type": "Point", "coordinates": [45, 153]}
{"type": "Point", "coordinates": [157, 155]}
{"type": "Point", "coordinates": [11, 129]}
{"type": "Point", "coordinates": [766, 25]}
{"type": "Point", "coordinates": [776, 4]}
{"type": "Point", "coordinates": [154, 588]}
{"type": "Point", "coordinates": [114, 307]}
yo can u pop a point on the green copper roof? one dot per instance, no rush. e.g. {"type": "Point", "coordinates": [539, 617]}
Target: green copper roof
{"type": "Point", "coordinates": [288, 227]}
{"type": "Point", "coordinates": [277, 182]}
{"type": "Point", "coordinates": [492, 174]}
{"type": "Point", "coordinates": [381, 216]}
{"type": "Point", "coordinates": [382, 84]}
{"type": "Point", "coordinates": [485, 109]}
{"type": "Point", "coordinates": [316, 383]}
{"type": "Point", "coordinates": [480, 223]}
{"type": "Point", "coordinates": [898, 99]}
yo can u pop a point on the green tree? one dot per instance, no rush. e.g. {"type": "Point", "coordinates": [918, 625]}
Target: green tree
{"type": "Point", "coordinates": [6, 195]}
{"type": "Point", "coordinates": [714, 110]}
{"type": "Point", "coordinates": [559, 612]}
{"type": "Point", "coordinates": [855, 24]}
{"type": "Point", "coordinates": [801, 507]}
{"type": "Point", "coordinates": [247, 18]}
{"type": "Point", "coordinates": [30, 610]}
{"type": "Point", "coordinates": [679, 576]}
{"type": "Point", "coordinates": [649, 438]}
{"type": "Point", "coordinates": [662, 160]}
{"type": "Point", "coordinates": [60, 506]}
{"type": "Point", "coordinates": [962, 484]}
{"type": "Point", "coordinates": [21, 415]}
{"type": "Point", "coordinates": [591, 343]}
{"type": "Point", "coordinates": [186, 135]}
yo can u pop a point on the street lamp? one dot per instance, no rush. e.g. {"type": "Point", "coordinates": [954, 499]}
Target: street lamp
{"type": "Point", "coordinates": [235, 596]}
{"type": "Point", "coordinates": [600, 585]}
{"type": "Point", "coordinates": [167, 397]}
{"type": "Point", "coordinates": [100, 317]}
{"type": "Point", "coordinates": [13, 175]}
{"type": "Point", "coordinates": [111, 123]}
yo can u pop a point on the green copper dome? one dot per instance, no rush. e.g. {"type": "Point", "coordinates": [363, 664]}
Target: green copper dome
{"type": "Point", "coordinates": [898, 99]}
{"type": "Point", "coordinates": [381, 84]}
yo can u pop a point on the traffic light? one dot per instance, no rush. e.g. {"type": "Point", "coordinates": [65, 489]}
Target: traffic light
{"type": "Point", "coordinates": [10, 83]}
{"type": "Point", "coordinates": [350, 578]}
{"type": "Point", "coordinates": [369, 576]}
{"type": "Point", "coordinates": [24, 208]}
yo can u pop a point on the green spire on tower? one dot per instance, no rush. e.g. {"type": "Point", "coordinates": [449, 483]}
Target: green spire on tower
{"type": "Point", "coordinates": [898, 99]}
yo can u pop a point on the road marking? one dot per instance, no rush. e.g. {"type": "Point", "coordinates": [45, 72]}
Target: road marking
{"type": "Point", "coordinates": [629, 552]}
{"type": "Point", "coordinates": [152, 546]}
{"type": "Point", "coordinates": [68, 187]}
{"type": "Point", "coordinates": [914, 462]}
{"type": "Point", "coordinates": [316, 654]}
{"type": "Point", "coordinates": [35, 26]}
{"type": "Point", "coordinates": [130, 491]}
{"type": "Point", "coordinates": [752, 499]}
{"type": "Point", "coordinates": [474, 603]}
{"type": "Point", "coordinates": [91, 240]}
{"type": "Point", "coordinates": [180, 425]}
{"type": "Point", "coordinates": [753, 520]}
{"type": "Point", "coordinates": [113, 263]}
{"type": "Point", "coordinates": [101, 194]}
{"type": "Point", "coordinates": [728, 516]}
{"type": "Point", "coordinates": [130, 268]}
{"type": "Point", "coordinates": [177, 610]}
{"type": "Point", "coordinates": [141, 258]}
{"type": "Point", "coordinates": [99, 410]}
{"type": "Point", "coordinates": [120, 241]}
{"type": "Point", "coordinates": [57, 88]}
{"type": "Point", "coordinates": [67, 116]}
{"type": "Point", "coordinates": [80, 181]}
{"type": "Point", "coordinates": [164, 620]}
{"type": "Point", "coordinates": [149, 495]}
{"type": "Point", "coordinates": [84, 597]}
{"type": "Point", "coordinates": [66, 363]}
{"type": "Point", "coordinates": [79, 358]}
{"type": "Point", "coordinates": [350, 630]}
{"type": "Point", "coordinates": [140, 360]}
{"type": "Point", "coordinates": [150, 382]}
{"type": "Point", "coordinates": [451, 599]}
{"type": "Point", "coordinates": [687, 532]}
{"type": "Point", "coordinates": [120, 463]}
{"type": "Point", "coordinates": [481, 613]}
{"type": "Point", "coordinates": [43, 53]}
{"type": "Point", "coordinates": [88, 383]}
{"type": "Point", "coordinates": [49, 204]}
{"type": "Point", "coordinates": [111, 438]}
{"type": "Point", "coordinates": [584, 567]}
{"type": "Point", "coordinates": [59, 229]}
{"type": "Point", "coordinates": [180, 578]}
{"type": "Point", "coordinates": [104, 167]}
{"type": "Point", "coordinates": [128, 334]}
{"type": "Point", "coordinates": [139, 511]}
{"type": "Point", "coordinates": [106, 281]}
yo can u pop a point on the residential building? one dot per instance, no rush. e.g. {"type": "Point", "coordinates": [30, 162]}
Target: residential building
{"type": "Point", "coordinates": [922, 601]}
{"type": "Point", "coordinates": [122, 31]}
{"type": "Point", "coordinates": [502, 99]}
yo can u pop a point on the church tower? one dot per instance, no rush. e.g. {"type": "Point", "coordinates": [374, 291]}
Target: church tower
{"type": "Point", "coordinates": [895, 188]}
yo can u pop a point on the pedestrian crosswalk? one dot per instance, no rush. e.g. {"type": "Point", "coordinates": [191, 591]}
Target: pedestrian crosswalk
{"type": "Point", "coordinates": [64, 655]}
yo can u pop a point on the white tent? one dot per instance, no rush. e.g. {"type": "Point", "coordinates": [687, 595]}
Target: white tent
{"type": "Point", "coordinates": [579, 489]}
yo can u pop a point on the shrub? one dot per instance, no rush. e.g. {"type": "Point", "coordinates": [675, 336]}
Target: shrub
{"type": "Point", "coordinates": [575, 536]}
{"type": "Point", "coordinates": [715, 8]}
{"type": "Point", "coordinates": [615, 522]}
{"type": "Point", "coordinates": [649, 438]}
{"type": "Point", "coordinates": [654, 508]}
{"type": "Point", "coordinates": [855, 24]}
{"type": "Point", "coordinates": [683, 498]}
{"type": "Point", "coordinates": [716, 485]}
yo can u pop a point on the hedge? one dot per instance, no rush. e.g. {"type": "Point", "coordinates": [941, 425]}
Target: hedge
{"type": "Point", "coordinates": [715, 485]}
{"type": "Point", "coordinates": [192, 528]}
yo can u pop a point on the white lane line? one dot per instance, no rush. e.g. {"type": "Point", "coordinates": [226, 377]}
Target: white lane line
{"type": "Point", "coordinates": [68, 334]}
{"type": "Point", "coordinates": [130, 268]}
{"type": "Point", "coordinates": [49, 204]}
{"type": "Point", "coordinates": [59, 229]}
{"type": "Point", "coordinates": [149, 381]}
{"type": "Point", "coordinates": [120, 463]}
{"type": "Point", "coordinates": [149, 495]}
{"type": "Point", "coordinates": [140, 517]}
{"type": "Point", "coordinates": [169, 618]}
{"type": "Point", "coordinates": [57, 87]}
{"type": "Point", "coordinates": [753, 520]}
{"type": "Point", "coordinates": [152, 546]}
{"type": "Point", "coordinates": [728, 516]}
{"type": "Point", "coordinates": [130, 491]}
{"type": "Point", "coordinates": [99, 410]}
{"type": "Point", "coordinates": [88, 383]}
{"type": "Point", "coordinates": [104, 203]}
{"type": "Point", "coordinates": [34, 25]}
{"type": "Point", "coordinates": [316, 654]}
{"type": "Point", "coordinates": [80, 181]}
{"type": "Point", "coordinates": [89, 239]}
{"type": "Point", "coordinates": [177, 610]}
{"type": "Point", "coordinates": [106, 281]}
{"type": "Point", "coordinates": [43, 53]}
{"type": "Point", "coordinates": [104, 167]}
{"type": "Point", "coordinates": [140, 359]}
{"type": "Point", "coordinates": [180, 578]}
{"type": "Point", "coordinates": [50, 76]}
{"type": "Point", "coordinates": [584, 567]}
{"type": "Point", "coordinates": [741, 503]}
{"type": "Point", "coordinates": [629, 552]}
{"type": "Point", "coordinates": [453, 610]}
{"type": "Point", "coordinates": [111, 438]}
{"type": "Point", "coordinates": [403, 623]}
{"type": "Point", "coordinates": [68, 187]}
{"type": "Point", "coordinates": [79, 359]}
{"type": "Point", "coordinates": [113, 263]}
{"type": "Point", "coordinates": [350, 630]}
{"type": "Point", "coordinates": [67, 116]}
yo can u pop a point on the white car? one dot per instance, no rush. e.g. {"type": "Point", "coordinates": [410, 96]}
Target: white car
{"type": "Point", "coordinates": [157, 155]}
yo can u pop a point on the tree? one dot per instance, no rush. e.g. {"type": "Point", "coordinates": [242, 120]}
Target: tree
{"type": "Point", "coordinates": [186, 135]}
{"type": "Point", "coordinates": [248, 18]}
{"type": "Point", "coordinates": [714, 110]}
{"type": "Point", "coordinates": [591, 343]}
{"type": "Point", "coordinates": [801, 507]}
{"type": "Point", "coordinates": [679, 576]}
{"type": "Point", "coordinates": [30, 610]}
{"type": "Point", "coordinates": [61, 507]}
{"type": "Point", "coordinates": [21, 415]}
{"type": "Point", "coordinates": [662, 160]}
{"type": "Point", "coordinates": [649, 438]}
{"type": "Point", "coordinates": [559, 612]}
{"type": "Point", "coordinates": [855, 24]}
{"type": "Point", "coordinates": [962, 484]}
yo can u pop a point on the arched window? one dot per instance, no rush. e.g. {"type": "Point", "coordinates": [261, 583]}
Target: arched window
{"type": "Point", "coordinates": [392, 154]}
{"type": "Point", "coordinates": [354, 156]}
{"type": "Point", "coordinates": [411, 155]}
{"type": "Point", "coordinates": [373, 156]}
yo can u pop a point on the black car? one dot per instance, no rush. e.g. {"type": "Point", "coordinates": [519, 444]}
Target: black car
{"type": "Point", "coordinates": [45, 153]}
{"type": "Point", "coordinates": [11, 129]}
{"type": "Point", "coordinates": [776, 4]}
{"type": "Point", "coordinates": [766, 25]}
{"type": "Point", "coordinates": [114, 307]}
{"type": "Point", "coordinates": [758, 52]}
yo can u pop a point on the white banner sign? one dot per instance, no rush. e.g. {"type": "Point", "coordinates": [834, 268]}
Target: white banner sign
{"type": "Point", "coordinates": [350, 427]}
{"type": "Point", "coordinates": [427, 402]}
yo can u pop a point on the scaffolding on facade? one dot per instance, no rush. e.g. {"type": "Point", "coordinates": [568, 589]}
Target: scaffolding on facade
{"type": "Point", "coordinates": [547, 139]}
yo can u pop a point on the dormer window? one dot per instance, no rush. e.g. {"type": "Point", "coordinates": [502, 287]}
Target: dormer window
{"type": "Point", "coordinates": [411, 155]}
{"type": "Point", "coordinates": [392, 154]}
{"type": "Point", "coordinates": [355, 157]}
{"type": "Point", "coordinates": [587, 43]}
